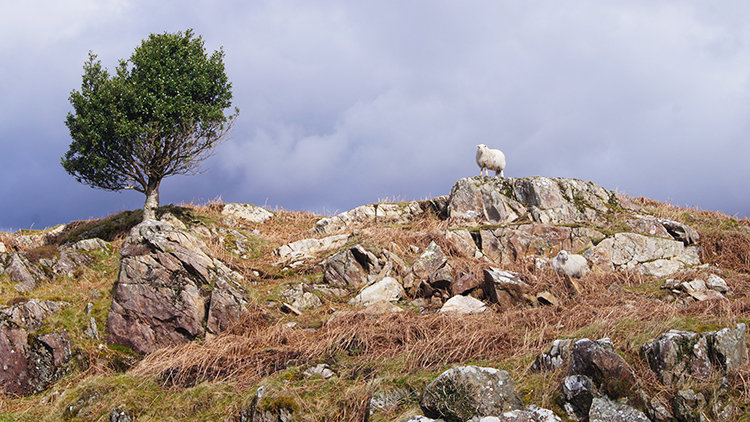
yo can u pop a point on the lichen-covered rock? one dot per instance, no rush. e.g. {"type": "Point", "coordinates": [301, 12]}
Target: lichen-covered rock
{"type": "Point", "coordinates": [68, 261]}
{"type": "Point", "coordinates": [475, 201]}
{"type": "Point", "coordinates": [605, 410]}
{"type": "Point", "coordinates": [248, 212]}
{"type": "Point", "coordinates": [168, 289]}
{"type": "Point", "coordinates": [461, 393]}
{"type": "Point", "coordinates": [677, 354]}
{"type": "Point", "coordinates": [30, 362]}
{"type": "Point", "coordinates": [530, 414]}
{"type": "Point", "coordinates": [268, 406]}
{"type": "Point", "coordinates": [30, 314]}
{"type": "Point", "coordinates": [728, 348]}
{"type": "Point", "coordinates": [25, 274]}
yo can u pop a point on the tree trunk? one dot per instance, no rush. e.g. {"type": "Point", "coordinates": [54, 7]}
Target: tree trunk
{"type": "Point", "coordinates": [152, 201]}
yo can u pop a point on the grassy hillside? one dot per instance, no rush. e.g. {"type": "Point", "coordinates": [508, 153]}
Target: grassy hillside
{"type": "Point", "coordinates": [395, 353]}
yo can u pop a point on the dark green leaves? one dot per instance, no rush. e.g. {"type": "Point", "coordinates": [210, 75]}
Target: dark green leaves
{"type": "Point", "coordinates": [161, 113]}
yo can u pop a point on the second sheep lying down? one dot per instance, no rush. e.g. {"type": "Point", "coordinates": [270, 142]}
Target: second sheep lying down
{"type": "Point", "coordinates": [570, 265]}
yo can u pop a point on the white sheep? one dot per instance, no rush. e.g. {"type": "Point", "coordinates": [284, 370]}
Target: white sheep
{"type": "Point", "coordinates": [570, 265]}
{"type": "Point", "coordinates": [490, 159]}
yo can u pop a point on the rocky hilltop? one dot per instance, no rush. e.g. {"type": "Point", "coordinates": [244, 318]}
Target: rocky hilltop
{"type": "Point", "coordinates": [455, 308]}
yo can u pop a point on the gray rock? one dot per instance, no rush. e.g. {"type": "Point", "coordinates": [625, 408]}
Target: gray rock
{"type": "Point", "coordinates": [464, 392]}
{"type": "Point", "coordinates": [475, 201]}
{"type": "Point", "coordinates": [120, 414]}
{"type": "Point", "coordinates": [68, 261]}
{"type": "Point", "coordinates": [654, 256]}
{"type": "Point", "coordinates": [24, 273]}
{"type": "Point", "coordinates": [677, 354]}
{"type": "Point", "coordinates": [301, 297]}
{"type": "Point", "coordinates": [714, 282]}
{"type": "Point", "coordinates": [557, 356]}
{"type": "Point", "coordinates": [430, 261]}
{"type": "Point", "coordinates": [728, 348]}
{"type": "Point", "coordinates": [506, 288]}
{"type": "Point", "coordinates": [343, 270]}
{"type": "Point", "coordinates": [266, 407]}
{"type": "Point", "coordinates": [31, 314]}
{"type": "Point", "coordinates": [530, 414]}
{"type": "Point", "coordinates": [248, 212]}
{"type": "Point", "coordinates": [686, 405]}
{"type": "Point", "coordinates": [306, 248]}
{"type": "Point", "coordinates": [682, 232]}
{"type": "Point", "coordinates": [605, 410]}
{"type": "Point", "coordinates": [322, 370]}
{"type": "Point", "coordinates": [92, 244]}
{"type": "Point", "coordinates": [385, 400]}
{"type": "Point", "coordinates": [380, 213]}
{"type": "Point", "coordinates": [463, 305]}
{"type": "Point", "coordinates": [577, 393]}
{"type": "Point", "coordinates": [385, 290]}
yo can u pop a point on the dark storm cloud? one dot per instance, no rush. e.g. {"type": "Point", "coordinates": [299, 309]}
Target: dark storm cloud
{"type": "Point", "coordinates": [344, 103]}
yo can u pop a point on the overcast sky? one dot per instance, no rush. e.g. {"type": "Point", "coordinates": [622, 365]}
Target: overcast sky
{"type": "Point", "coordinates": [344, 103]}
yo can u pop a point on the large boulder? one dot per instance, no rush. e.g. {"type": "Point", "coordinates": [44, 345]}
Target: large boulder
{"type": "Point", "coordinates": [462, 393]}
{"type": "Point", "coordinates": [169, 289]}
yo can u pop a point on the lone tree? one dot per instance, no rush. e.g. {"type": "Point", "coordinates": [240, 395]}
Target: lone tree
{"type": "Point", "coordinates": [161, 114]}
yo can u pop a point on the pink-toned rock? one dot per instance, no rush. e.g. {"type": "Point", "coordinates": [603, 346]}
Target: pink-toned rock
{"type": "Point", "coordinates": [168, 289]}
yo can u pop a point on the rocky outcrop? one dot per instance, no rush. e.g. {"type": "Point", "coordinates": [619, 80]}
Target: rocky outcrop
{"type": "Point", "coordinates": [168, 289]}
{"type": "Point", "coordinates": [676, 355]}
{"type": "Point", "coordinates": [461, 393]}
{"type": "Point", "coordinates": [475, 200]}
{"type": "Point", "coordinates": [540, 216]}
{"type": "Point", "coordinates": [652, 256]}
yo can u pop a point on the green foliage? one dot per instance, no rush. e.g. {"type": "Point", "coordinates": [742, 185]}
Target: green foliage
{"type": "Point", "coordinates": [160, 114]}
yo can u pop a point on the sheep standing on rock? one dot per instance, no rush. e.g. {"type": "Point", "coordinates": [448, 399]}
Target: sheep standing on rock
{"type": "Point", "coordinates": [570, 265]}
{"type": "Point", "coordinates": [490, 159]}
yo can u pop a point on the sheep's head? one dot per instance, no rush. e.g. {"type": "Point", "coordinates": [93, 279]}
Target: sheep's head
{"type": "Point", "coordinates": [562, 256]}
{"type": "Point", "coordinates": [481, 147]}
